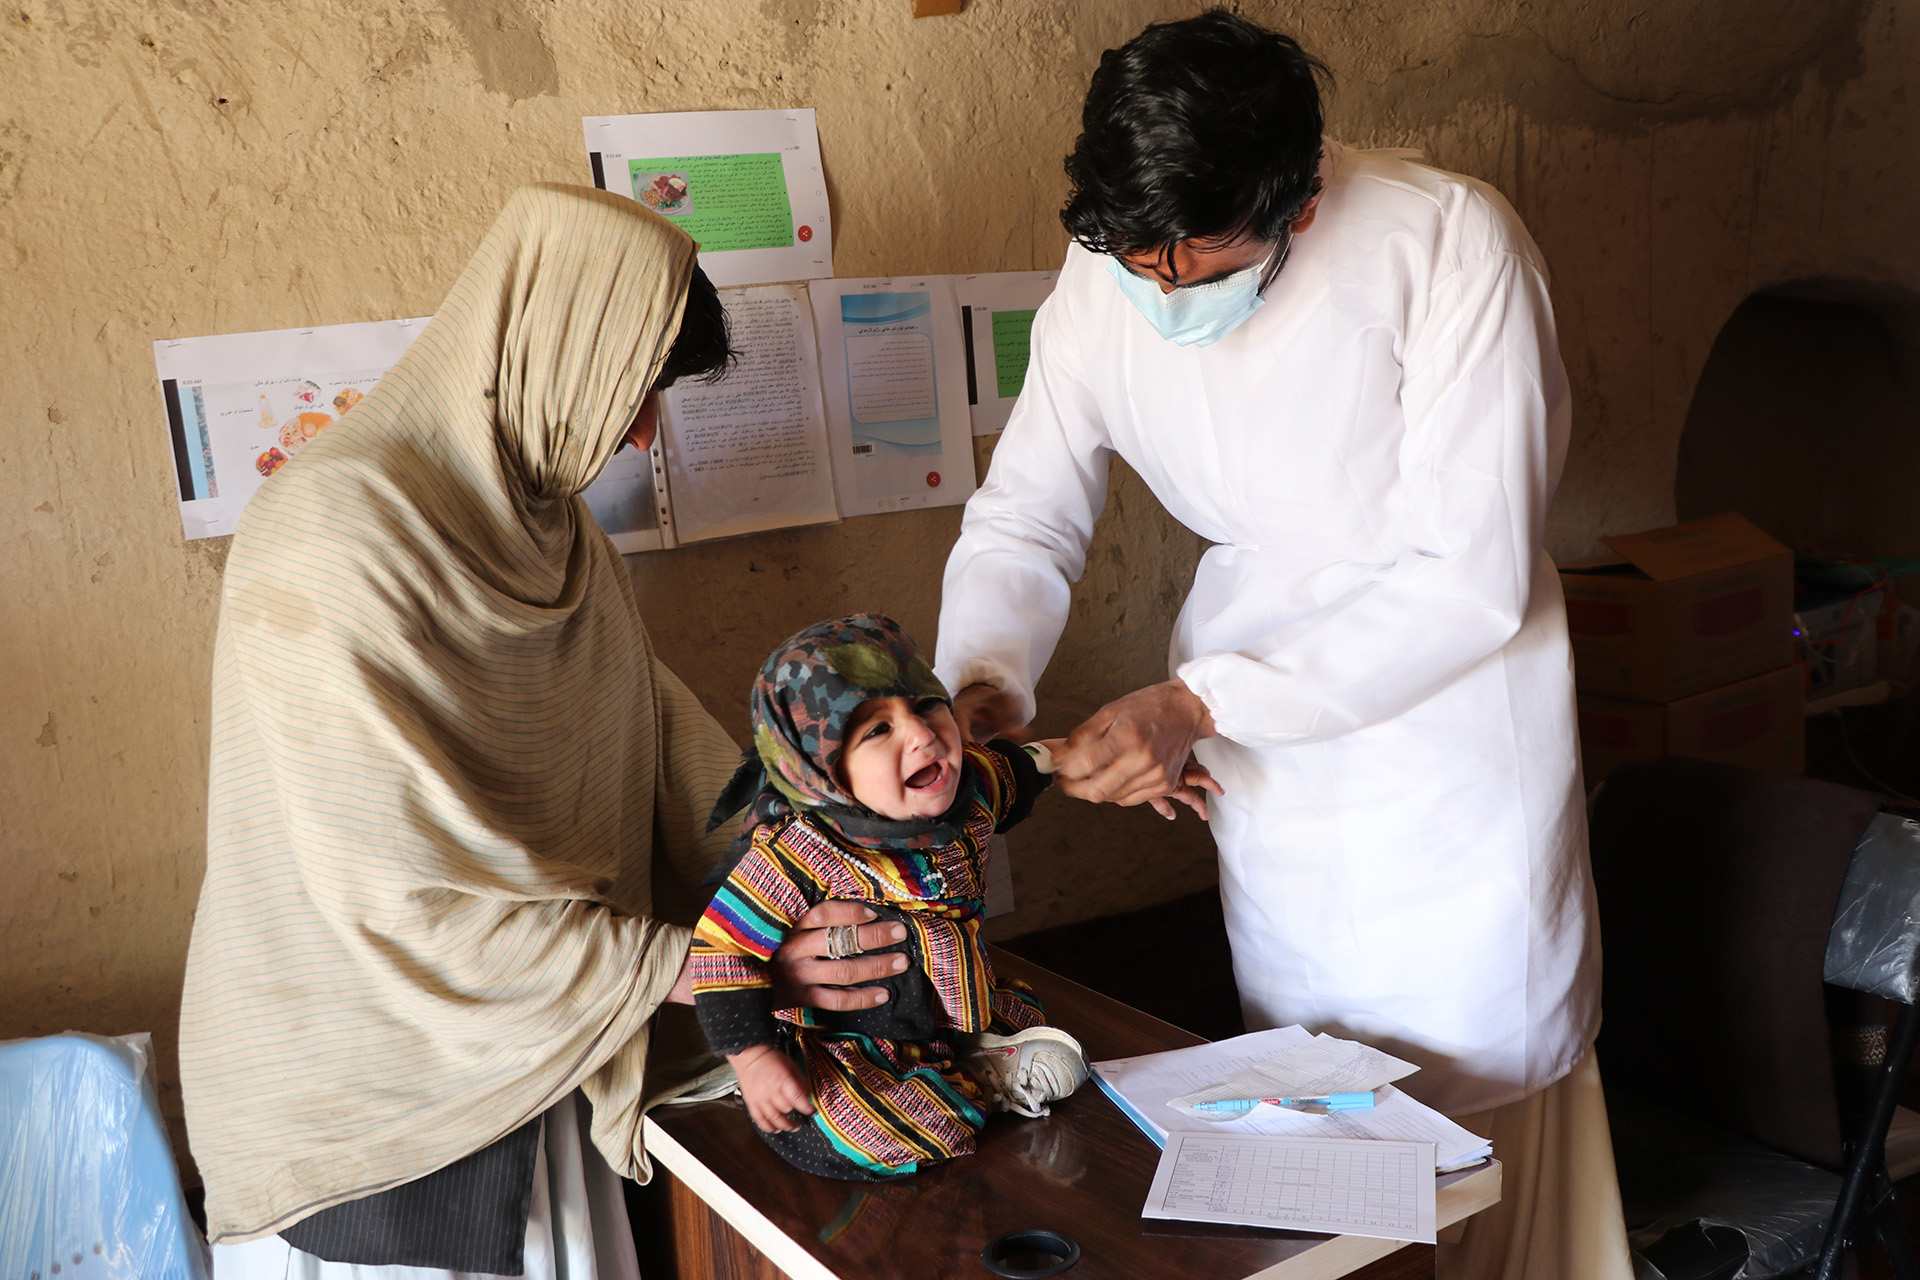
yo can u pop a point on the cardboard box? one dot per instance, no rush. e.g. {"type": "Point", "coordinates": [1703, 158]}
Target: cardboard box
{"type": "Point", "coordinates": [1680, 610]}
{"type": "Point", "coordinates": [1758, 722]}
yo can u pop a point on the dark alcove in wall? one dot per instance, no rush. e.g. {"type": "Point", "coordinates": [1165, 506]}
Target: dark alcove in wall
{"type": "Point", "coordinates": [1807, 421]}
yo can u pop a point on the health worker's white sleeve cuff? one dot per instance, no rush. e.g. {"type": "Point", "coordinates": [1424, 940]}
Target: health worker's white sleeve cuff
{"type": "Point", "coordinates": [961, 672]}
{"type": "Point", "coordinates": [1247, 707]}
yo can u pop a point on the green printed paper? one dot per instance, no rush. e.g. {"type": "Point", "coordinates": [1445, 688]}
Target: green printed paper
{"type": "Point", "coordinates": [1012, 346]}
{"type": "Point", "coordinates": [724, 202]}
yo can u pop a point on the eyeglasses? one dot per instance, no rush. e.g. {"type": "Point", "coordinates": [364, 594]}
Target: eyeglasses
{"type": "Point", "coordinates": [1275, 260]}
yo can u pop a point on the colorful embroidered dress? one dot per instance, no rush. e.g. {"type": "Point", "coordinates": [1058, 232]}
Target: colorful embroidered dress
{"type": "Point", "coordinates": [887, 1089]}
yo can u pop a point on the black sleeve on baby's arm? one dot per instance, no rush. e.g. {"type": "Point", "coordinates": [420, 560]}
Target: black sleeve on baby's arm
{"type": "Point", "coordinates": [1028, 781]}
{"type": "Point", "coordinates": [736, 1020]}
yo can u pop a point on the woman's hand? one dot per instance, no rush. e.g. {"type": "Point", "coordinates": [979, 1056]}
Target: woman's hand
{"type": "Point", "coordinates": [772, 1086]}
{"type": "Point", "coordinates": [803, 975]}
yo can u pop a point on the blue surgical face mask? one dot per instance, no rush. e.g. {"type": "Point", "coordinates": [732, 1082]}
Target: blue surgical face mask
{"type": "Point", "coordinates": [1194, 315]}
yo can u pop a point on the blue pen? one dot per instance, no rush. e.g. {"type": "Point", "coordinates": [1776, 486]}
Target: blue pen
{"type": "Point", "coordinates": [1331, 1101]}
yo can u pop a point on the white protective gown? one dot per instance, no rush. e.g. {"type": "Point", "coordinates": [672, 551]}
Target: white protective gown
{"type": "Point", "coordinates": [1378, 633]}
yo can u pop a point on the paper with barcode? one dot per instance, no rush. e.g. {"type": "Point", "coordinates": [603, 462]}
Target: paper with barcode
{"type": "Point", "coordinates": [1379, 1189]}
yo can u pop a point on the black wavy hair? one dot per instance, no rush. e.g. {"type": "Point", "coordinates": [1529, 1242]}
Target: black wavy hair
{"type": "Point", "coordinates": [700, 350]}
{"type": "Point", "coordinates": [1206, 127]}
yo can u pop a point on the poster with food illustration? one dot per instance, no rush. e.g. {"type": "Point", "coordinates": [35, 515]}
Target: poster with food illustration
{"type": "Point", "coordinates": [240, 406]}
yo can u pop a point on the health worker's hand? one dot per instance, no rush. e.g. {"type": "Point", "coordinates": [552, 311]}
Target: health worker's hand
{"type": "Point", "coordinates": [803, 975]}
{"type": "Point", "coordinates": [1138, 749]}
{"type": "Point", "coordinates": [772, 1086]}
{"type": "Point", "coordinates": [985, 712]}
{"type": "Point", "coordinates": [1195, 781]}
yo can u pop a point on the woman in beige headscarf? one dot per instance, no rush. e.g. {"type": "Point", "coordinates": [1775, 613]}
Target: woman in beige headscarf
{"type": "Point", "coordinates": [449, 779]}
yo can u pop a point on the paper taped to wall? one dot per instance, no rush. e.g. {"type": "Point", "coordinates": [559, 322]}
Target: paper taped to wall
{"type": "Point", "coordinates": [894, 368]}
{"type": "Point", "coordinates": [746, 184]}
{"type": "Point", "coordinates": [239, 406]}
{"type": "Point", "coordinates": [996, 316]}
{"type": "Point", "coordinates": [750, 452]}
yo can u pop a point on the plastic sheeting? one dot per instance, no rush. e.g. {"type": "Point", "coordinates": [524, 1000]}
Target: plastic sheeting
{"type": "Point", "coordinates": [1676, 1172]}
{"type": "Point", "coordinates": [1875, 943]}
{"type": "Point", "coordinates": [88, 1187]}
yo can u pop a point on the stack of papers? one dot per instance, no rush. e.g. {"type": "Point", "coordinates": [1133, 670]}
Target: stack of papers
{"type": "Point", "coordinates": [1146, 1089]}
{"type": "Point", "coordinates": [1321, 1066]}
{"type": "Point", "coordinates": [1363, 1172]}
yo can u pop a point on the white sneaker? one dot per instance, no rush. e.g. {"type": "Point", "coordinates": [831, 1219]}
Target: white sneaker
{"type": "Point", "coordinates": [1023, 1073]}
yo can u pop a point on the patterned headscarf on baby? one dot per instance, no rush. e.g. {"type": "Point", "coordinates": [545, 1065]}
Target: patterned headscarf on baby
{"type": "Point", "coordinates": [802, 700]}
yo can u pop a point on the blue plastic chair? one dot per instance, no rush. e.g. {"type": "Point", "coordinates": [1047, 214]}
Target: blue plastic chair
{"type": "Point", "coordinates": [88, 1187]}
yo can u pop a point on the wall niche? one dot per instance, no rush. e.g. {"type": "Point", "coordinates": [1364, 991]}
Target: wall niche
{"type": "Point", "coordinates": [1806, 419]}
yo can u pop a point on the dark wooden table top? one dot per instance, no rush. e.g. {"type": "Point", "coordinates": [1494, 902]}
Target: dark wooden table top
{"type": "Point", "coordinates": [1084, 1171]}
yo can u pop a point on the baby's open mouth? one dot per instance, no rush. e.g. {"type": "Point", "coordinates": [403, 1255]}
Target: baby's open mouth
{"type": "Point", "coordinates": [927, 777]}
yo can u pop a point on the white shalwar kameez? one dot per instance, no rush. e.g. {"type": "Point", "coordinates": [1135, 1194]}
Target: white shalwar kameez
{"type": "Point", "coordinates": [1378, 633]}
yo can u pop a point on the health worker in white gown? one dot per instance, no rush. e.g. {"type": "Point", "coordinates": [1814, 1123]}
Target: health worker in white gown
{"type": "Point", "coordinates": [1338, 366]}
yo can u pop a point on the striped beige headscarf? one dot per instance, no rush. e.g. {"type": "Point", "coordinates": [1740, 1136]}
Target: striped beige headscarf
{"type": "Point", "coordinates": [444, 757]}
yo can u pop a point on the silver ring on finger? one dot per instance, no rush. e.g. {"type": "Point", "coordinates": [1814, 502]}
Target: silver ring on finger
{"type": "Point", "coordinates": [843, 941]}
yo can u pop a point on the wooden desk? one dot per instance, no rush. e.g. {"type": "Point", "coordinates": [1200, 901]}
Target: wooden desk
{"type": "Point", "coordinates": [1084, 1171]}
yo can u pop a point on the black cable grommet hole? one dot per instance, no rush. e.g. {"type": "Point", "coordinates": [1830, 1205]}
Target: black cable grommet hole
{"type": "Point", "coordinates": [1030, 1255]}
